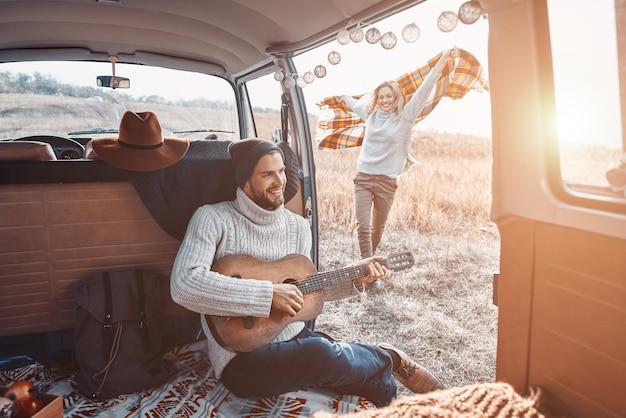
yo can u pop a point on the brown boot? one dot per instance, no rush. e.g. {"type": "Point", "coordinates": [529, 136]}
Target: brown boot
{"type": "Point", "coordinates": [411, 374]}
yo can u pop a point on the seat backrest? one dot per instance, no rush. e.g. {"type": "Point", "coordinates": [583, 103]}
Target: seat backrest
{"type": "Point", "coordinates": [26, 151]}
{"type": "Point", "coordinates": [64, 220]}
{"type": "Point", "coordinates": [52, 235]}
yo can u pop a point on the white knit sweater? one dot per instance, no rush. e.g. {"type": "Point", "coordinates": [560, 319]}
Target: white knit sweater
{"type": "Point", "coordinates": [236, 227]}
{"type": "Point", "coordinates": [387, 143]}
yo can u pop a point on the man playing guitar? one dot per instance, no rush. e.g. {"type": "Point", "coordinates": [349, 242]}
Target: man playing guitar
{"type": "Point", "coordinates": [231, 268]}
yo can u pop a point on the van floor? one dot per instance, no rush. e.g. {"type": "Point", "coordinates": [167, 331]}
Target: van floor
{"type": "Point", "coordinates": [52, 348]}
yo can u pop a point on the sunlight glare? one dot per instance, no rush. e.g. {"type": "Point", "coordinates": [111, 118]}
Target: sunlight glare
{"type": "Point", "coordinates": [570, 125]}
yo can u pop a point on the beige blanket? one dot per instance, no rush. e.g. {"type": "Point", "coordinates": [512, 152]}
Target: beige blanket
{"type": "Point", "coordinates": [487, 400]}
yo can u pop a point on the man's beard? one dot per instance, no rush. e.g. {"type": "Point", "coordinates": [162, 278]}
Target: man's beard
{"type": "Point", "coordinates": [263, 199]}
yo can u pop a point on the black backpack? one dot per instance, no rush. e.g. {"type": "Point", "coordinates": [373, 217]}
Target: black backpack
{"type": "Point", "coordinates": [117, 341]}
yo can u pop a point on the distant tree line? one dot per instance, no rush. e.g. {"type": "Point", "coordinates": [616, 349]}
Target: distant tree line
{"type": "Point", "coordinates": [37, 83]}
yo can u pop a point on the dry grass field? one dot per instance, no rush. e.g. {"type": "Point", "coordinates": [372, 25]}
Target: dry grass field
{"type": "Point", "coordinates": [440, 311]}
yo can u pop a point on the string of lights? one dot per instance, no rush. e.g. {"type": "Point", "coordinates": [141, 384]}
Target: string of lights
{"type": "Point", "coordinates": [468, 13]}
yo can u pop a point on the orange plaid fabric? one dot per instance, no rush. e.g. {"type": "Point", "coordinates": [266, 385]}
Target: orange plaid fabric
{"type": "Point", "coordinates": [345, 129]}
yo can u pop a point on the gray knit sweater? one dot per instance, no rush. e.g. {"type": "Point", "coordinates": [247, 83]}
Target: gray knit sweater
{"type": "Point", "coordinates": [387, 143]}
{"type": "Point", "coordinates": [236, 227]}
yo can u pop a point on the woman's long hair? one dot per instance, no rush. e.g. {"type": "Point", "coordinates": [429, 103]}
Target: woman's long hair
{"type": "Point", "coordinates": [395, 88]}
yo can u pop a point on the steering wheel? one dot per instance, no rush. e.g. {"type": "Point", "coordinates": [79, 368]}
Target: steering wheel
{"type": "Point", "coordinates": [64, 148]}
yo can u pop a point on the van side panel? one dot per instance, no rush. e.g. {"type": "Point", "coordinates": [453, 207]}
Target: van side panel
{"type": "Point", "coordinates": [515, 300]}
{"type": "Point", "coordinates": [54, 234]}
{"type": "Point", "coordinates": [574, 324]}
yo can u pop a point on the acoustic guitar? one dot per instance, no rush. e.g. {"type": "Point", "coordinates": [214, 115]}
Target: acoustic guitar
{"type": "Point", "coordinates": [245, 334]}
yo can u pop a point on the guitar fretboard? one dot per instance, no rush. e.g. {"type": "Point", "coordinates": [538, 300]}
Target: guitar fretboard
{"type": "Point", "coordinates": [332, 278]}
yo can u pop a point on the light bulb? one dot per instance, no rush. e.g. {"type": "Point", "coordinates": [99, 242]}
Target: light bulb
{"type": "Point", "coordinates": [289, 82]}
{"type": "Point", "coordinates": [411, 33]}
{"type": "Point", "coordinates": [300, 82]}
{"type": "Point", "coordinates": [356, 34]}
{"type": "Point", "coordinates": [308, 77]}
{"type": "Point", "coordinates": [279, 75]}
{"type": "Point", "coordinates": [447, 21]}
{"type": "Point", "coordinates": [470, 12]}
{"type": "Point", "coordinates": [388, 40]}
{"type": "Point", "coordinates": [343, 37]}
{"type": "Point", "coordinates": [334, 58]}
{"type": "Point", "coordinates": [319, 71]}
{"type": "Point", "coordinates": [372, 35]}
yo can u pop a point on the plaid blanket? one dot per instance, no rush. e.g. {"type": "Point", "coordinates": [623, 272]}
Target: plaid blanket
{"type": "Point", "coordinates": [191, 392]}
{"type": "Point", "coordinates": [345, 129]}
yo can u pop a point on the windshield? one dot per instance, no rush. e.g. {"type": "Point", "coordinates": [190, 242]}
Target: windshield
{"type": "Point", "coordinates": [63, 99]}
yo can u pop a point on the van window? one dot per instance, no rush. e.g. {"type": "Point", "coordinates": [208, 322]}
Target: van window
{"type": "Point", "coordinates": [63, 98]}
{"type": "Point", "coordinates": [265, 98]}
{"type": "Point", "coordinates": [589, 113]}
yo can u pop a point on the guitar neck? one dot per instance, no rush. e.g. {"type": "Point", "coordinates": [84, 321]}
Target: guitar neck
{"type": "Point", "coordinates": [332, 278]}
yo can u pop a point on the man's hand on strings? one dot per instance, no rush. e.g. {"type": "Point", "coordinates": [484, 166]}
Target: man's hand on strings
{"type": "Point", "coordinates": [375, 269]}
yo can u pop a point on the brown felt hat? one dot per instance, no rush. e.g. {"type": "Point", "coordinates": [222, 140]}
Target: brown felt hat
{"type": "Point", "coordinates": [140, 146]}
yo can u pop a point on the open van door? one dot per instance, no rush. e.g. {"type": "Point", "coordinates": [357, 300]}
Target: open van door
{"type": "Point", "coordinates": [562, 217]}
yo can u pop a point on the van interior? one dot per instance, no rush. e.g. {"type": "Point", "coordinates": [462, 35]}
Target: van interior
{"type": "Point", "coordinates": [557, 89]}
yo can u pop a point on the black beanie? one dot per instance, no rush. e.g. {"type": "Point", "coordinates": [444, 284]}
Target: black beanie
{"type": "Point", "coordinates": [245, 155]}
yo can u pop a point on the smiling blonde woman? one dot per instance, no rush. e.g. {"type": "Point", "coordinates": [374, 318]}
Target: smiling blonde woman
{"type": "Point", "coordinates": [385, 152]}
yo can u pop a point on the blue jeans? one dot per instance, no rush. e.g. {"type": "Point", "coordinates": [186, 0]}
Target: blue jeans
{"type": "Point", "coordinates": [312, 360]}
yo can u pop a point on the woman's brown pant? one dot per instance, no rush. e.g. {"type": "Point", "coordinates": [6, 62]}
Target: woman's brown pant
{"type": "Point", "coordinates": [373, 197]}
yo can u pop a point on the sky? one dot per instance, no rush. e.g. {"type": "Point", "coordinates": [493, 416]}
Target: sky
{"type": "Point", "coordinates": [585, 63]}
{"type": "Point", "coordinates": [363, 66]}
{"type": "Point", "coordinates": [586, 77]}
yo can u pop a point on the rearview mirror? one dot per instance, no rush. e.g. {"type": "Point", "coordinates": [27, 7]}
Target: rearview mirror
{"type": "Point", "coordinates": [113, 82]}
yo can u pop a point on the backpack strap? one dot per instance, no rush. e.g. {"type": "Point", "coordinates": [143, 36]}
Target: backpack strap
{"type": "Point", "coordinates": [107, 325]}
{"type": "Point", "coordinates": [143, 324]}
